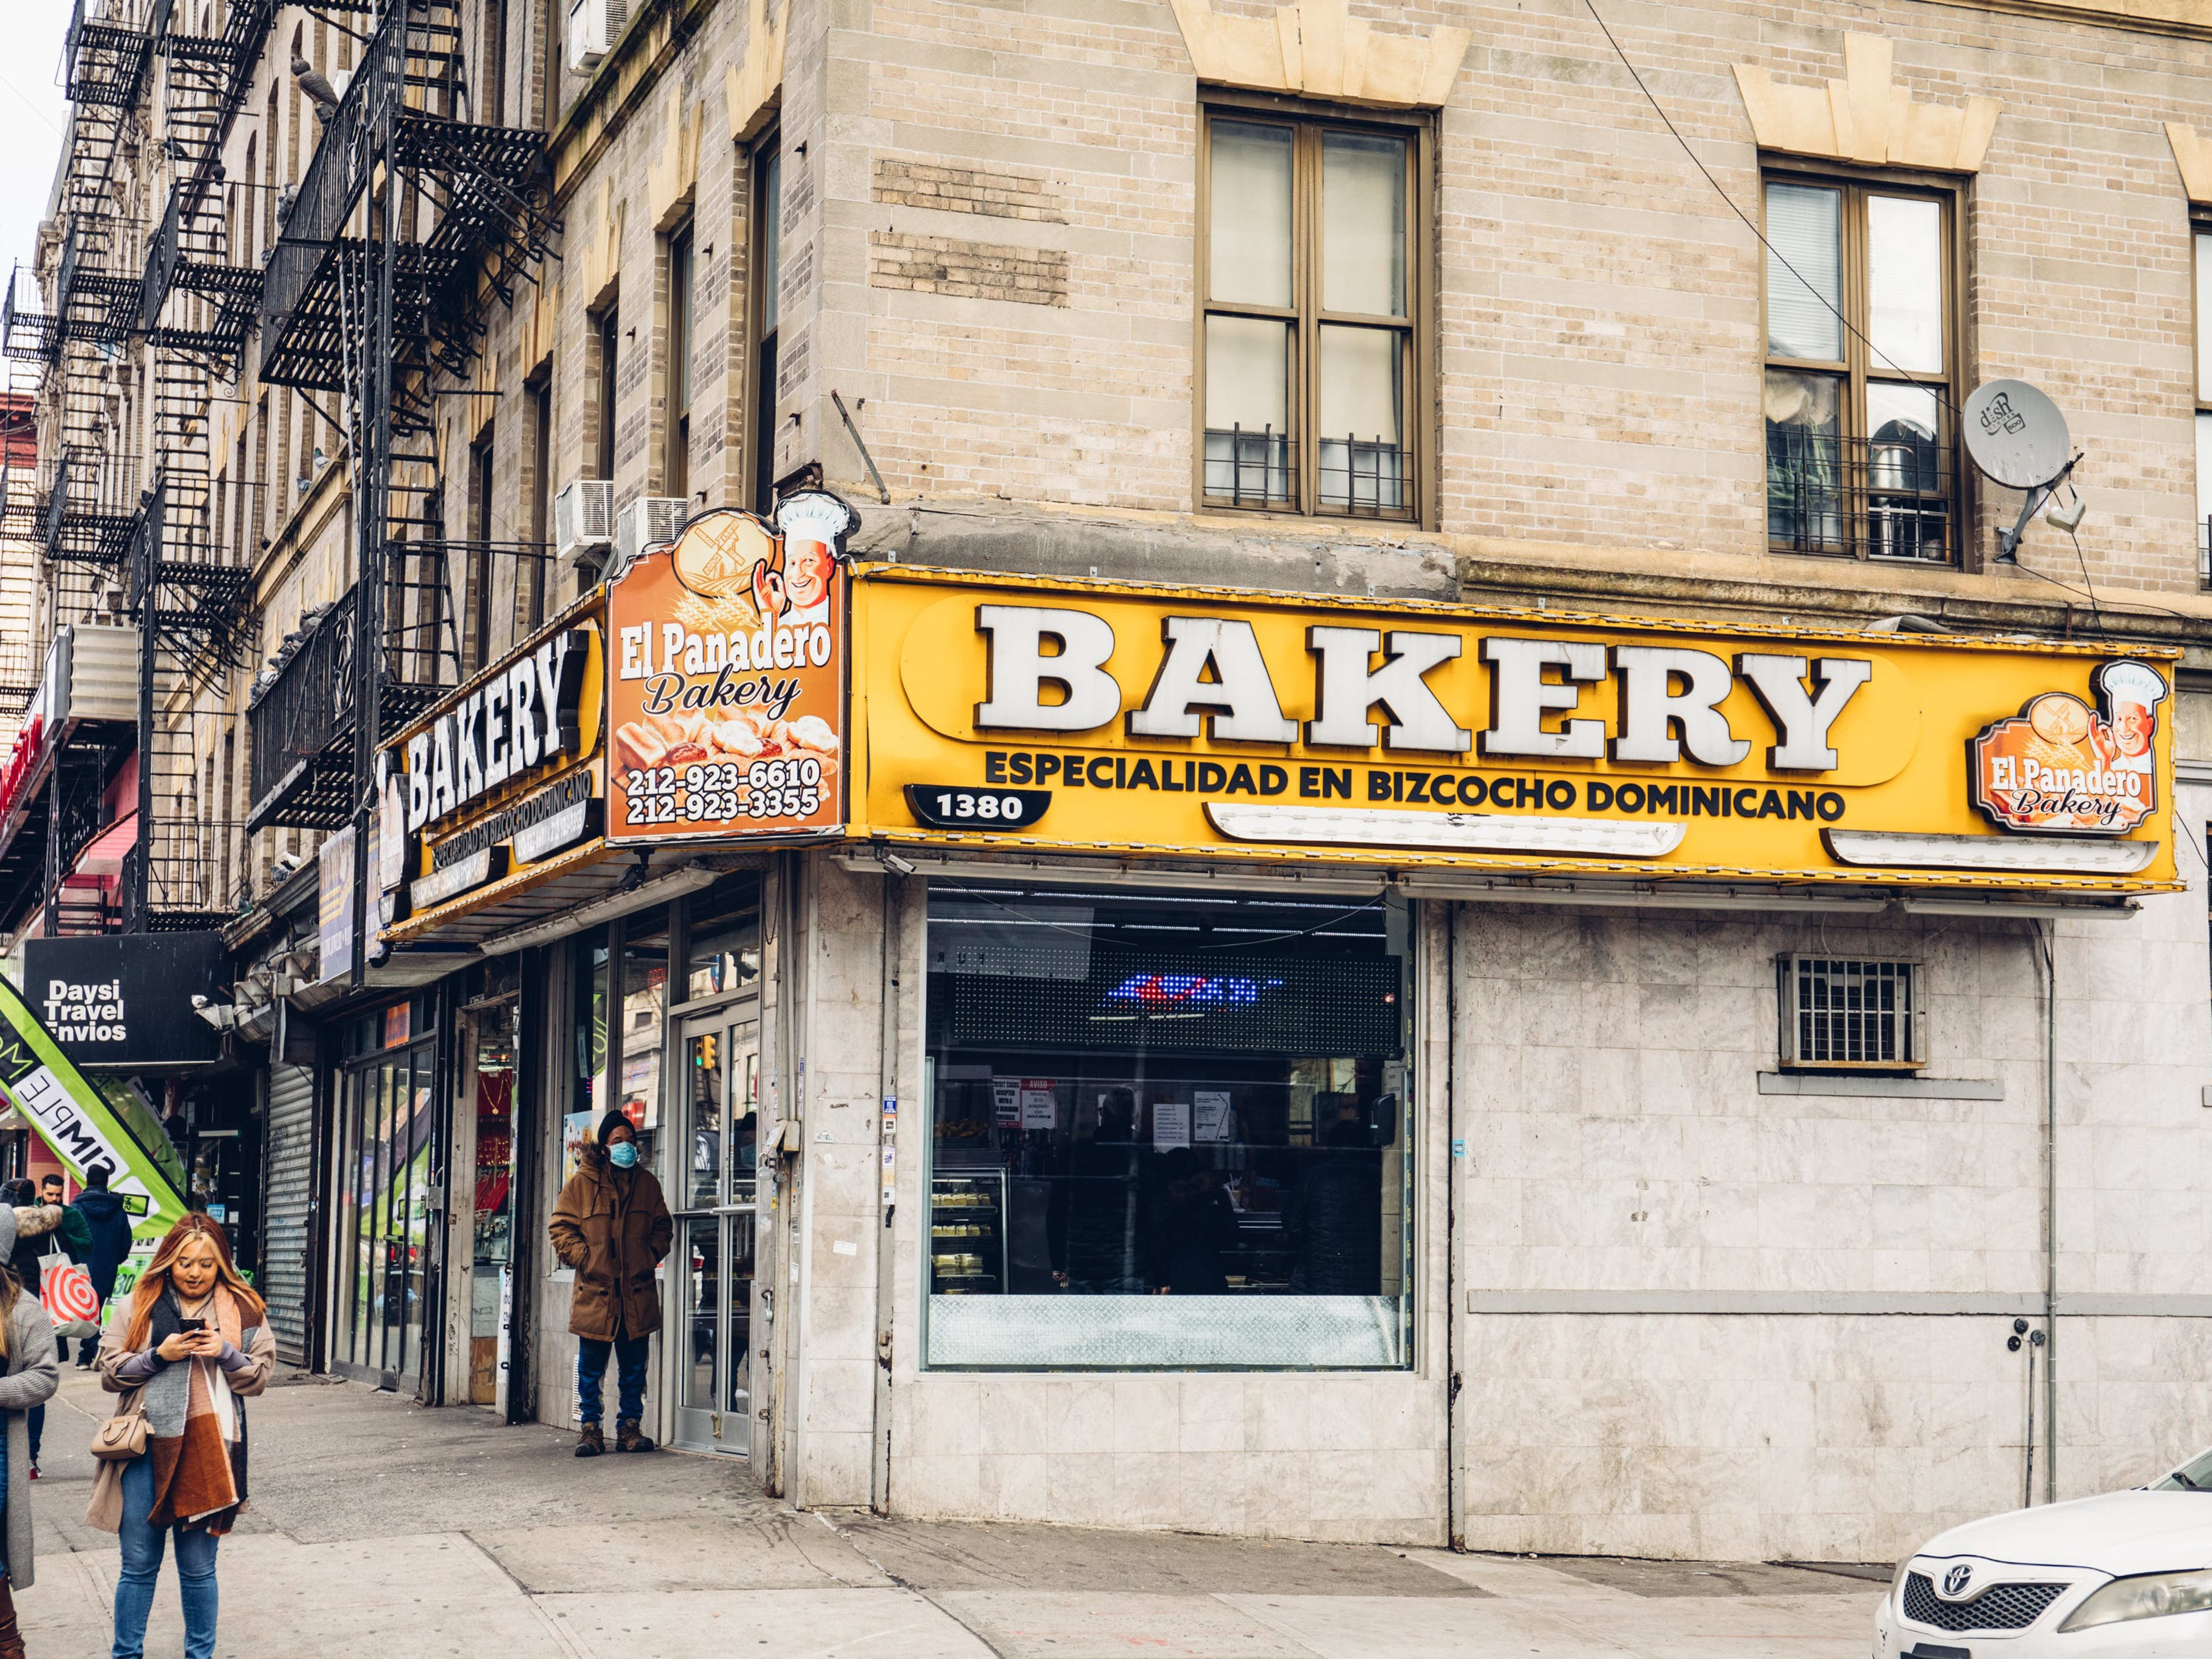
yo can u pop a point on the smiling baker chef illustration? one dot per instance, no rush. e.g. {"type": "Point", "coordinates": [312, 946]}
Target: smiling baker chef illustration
{"type": "Point", "coordinates": [2125, 739]}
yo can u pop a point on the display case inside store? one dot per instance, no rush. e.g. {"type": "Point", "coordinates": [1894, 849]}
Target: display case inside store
{"type": "Point", "coordinates": [968, 1233]}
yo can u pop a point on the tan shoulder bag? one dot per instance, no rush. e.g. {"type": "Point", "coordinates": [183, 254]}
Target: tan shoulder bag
{"type": "Point", "coordinates": [122, 1437]}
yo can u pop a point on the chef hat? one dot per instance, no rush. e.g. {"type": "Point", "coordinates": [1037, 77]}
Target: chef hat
{"type": "Point", "coordinates": [2131, 682]}
{"type": "Point", "coordinates": [816, 515]}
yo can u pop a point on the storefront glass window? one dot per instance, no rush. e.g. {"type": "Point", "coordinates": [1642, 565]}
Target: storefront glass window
{"type": "Point", "coordinates": [1167, 1130]}
{"type": "Point", "coordinates": [725, 937]}
{"type": "Point", "coordinates": [644, 1004]}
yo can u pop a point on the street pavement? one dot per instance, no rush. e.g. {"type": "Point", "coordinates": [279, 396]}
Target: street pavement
{"type": "Point", "coordinates": [432, 1533]}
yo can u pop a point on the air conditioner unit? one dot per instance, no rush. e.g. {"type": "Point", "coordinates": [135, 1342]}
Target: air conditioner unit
{"type": "Point", "coordinates": [594, 26]}
{"type": "Point", "coordinates": [648, 521]}
{"type": "Point", "coordinates": [583, 517]}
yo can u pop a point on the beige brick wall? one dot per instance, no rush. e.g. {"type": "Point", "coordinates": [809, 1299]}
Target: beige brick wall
{"type": "Point", "coordinates": [1598, 309]}
{"type": "Point", "coordinates": [975, 270]}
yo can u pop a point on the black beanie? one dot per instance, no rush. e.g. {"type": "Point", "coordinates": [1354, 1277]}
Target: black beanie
{"type": "Point", "coordinates": [609, 1123]}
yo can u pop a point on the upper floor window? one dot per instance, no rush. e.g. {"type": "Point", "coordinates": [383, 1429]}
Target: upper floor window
{"type": "Point", "coordinates": [1861, 368]}
{"type": "Point", "coordinates": [1309, 370]}
{"type": "Point", "coordinates": [2201, 234]}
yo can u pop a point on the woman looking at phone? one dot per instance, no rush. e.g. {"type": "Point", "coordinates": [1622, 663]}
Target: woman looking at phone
{"type": "Point", "coordinates": [190, 1344]}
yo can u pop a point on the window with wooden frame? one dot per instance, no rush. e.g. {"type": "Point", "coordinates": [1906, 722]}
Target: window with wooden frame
{"type": "Point", "coordinates": [764, 267]}
{"type": "Point", "coordinates": [1863, 279]}
{"type": "Point", "coordinates": [676, 461]}
{"type": "Point", "coordinates": [2200, 236]}
{"type": "Point", "coordinates": [1312, 342]}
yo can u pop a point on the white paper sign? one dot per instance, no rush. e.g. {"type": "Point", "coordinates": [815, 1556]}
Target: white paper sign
{"type": "Point", "coordinates": [1209, 1114]}
{"type": "Point", "coordinates": [1039, 1108]}
{"type": "Point", "coordinates": [1006, 1100]}
{"type": "Point", "coordinates": [1170, 1123]}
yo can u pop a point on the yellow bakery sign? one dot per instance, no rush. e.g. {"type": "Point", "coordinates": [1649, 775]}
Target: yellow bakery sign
{"type": "Point", "coordinates": [1020, 714]}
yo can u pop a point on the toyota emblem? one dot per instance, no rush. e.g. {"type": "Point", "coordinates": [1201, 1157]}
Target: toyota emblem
{"type": "Point", "coordinates": [1956, 1580]}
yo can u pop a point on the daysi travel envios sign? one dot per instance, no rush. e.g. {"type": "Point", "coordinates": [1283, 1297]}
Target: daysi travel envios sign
{"type": "Point", "coordinates": [727, 699]}
{"type": "Point", "coordinates": [1112, 716]}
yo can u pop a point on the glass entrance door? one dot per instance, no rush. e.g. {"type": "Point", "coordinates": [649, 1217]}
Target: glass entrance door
{"type": "Point", "coordinates": [489, 1085]}
{"type": "Point", "coordinates": [720, 1090]}
{"type": "Point", "coordinates": [384, 1223]}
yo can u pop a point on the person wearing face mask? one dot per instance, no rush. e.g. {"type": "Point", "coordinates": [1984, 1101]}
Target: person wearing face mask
{"type": "Point", "coordinates": [612, 1226]}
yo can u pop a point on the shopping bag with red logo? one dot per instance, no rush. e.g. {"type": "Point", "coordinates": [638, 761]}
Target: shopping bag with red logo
{"type": "Point", "coordinates": [70, 1301]}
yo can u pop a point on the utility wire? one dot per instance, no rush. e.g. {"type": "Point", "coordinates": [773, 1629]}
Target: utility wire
{"type": "Point", "coordinates": [1749, 224]}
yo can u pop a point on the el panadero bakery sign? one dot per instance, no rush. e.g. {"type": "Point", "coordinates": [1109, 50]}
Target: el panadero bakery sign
{"type": "Point", "coordinates": [2062, 768]}
{"type": "Point", "coordinates": [727, 704]}
{"type": "Point", "coordinates": [1019, 713]}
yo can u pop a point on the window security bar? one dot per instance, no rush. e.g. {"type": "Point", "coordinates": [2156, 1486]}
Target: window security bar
{"type": "Point", "coordinates": [1892, 496]}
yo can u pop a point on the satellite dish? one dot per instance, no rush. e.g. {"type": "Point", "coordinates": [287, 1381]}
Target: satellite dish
{"type": "Point", "coordinates": [2016, 434]}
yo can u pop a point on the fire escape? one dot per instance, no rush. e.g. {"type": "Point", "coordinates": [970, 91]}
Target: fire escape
{"type": "Point", "coordinates": [410, 223]}
{"type": "Point", "coordinates": [84, 511]}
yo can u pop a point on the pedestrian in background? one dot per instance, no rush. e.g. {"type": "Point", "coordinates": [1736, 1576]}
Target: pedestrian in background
{"type": "Point", "coordinates": [28, 1377]}
{"type": "Point", "coordinates": [188, 1344]}
{"type": "Point", "coordinates": [611, 1225]}
{"type": "Point", "coordinates": [107, 1226]}
{"type": "Point", "coordinates": [73, 1239]}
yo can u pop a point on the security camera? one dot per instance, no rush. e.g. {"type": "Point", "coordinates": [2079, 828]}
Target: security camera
{"type": "Point", "coordinates": [897, 865]}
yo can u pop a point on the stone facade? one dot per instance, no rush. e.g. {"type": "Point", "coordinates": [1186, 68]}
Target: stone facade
{"type": "Point", "coordinates": [1662, 1312]}
{"type": "Point", "coordinates": [1682, 1315]}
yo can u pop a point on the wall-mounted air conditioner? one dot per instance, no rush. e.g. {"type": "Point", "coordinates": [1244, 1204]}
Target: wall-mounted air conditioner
{"type": "Point", "coordinates": [583, 519]}
{"type": "Point", "coordinates": [594, 26]}
{"type": "Point", "coordinates": [648, 521]}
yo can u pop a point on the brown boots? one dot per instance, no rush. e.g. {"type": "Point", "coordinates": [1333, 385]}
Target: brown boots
{"type": "Point", "coordinates": [590, 1442]}
{"type": "Point", "coordinates": [11, 1639]}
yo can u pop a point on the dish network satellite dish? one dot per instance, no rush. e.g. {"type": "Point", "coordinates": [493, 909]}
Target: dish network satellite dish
{"type": "Point", "coordinates": [2018, 438]}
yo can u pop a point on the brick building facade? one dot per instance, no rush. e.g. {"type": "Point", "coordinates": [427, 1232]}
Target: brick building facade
{"type": "Point", "coordinates": [1665, 310]}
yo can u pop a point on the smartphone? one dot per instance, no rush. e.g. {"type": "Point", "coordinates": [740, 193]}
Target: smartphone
{"type": "Point", "coordinates": [191, 1327]}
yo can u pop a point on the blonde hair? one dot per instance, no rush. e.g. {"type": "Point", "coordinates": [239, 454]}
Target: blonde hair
{"type": "Point", "coordinates": [155, 1279]}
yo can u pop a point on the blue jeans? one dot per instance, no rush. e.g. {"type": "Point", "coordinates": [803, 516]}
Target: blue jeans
{"type": "Point", "coordinates": [628, 1352]}
{"type": "Point", "coordinates": [141, 1568]}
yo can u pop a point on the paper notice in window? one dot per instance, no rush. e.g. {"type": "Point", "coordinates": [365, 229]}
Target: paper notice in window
{"type": "Point", "coordinates": [1039, 1109]}
{"type": "Point", "coordinates": [1006, 1100]}
{"type": "Point", "coordinates": [1210, 1116]}
{"type": "Point", "coordinates": [1170, 1123]}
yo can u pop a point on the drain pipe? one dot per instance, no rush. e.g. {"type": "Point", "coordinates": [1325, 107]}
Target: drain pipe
{"type": "Point", "coordinates": [1455, 1355]}
{"type": "Point", "coordinates": [2047, 941]}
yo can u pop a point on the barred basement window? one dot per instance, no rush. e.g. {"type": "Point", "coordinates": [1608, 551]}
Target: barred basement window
{"type": "Point", "coordinates": [1839, 1014]}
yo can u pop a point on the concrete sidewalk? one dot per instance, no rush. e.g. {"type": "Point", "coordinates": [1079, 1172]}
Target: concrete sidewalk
{"type": "Point", "coordinates": [440, 1531]}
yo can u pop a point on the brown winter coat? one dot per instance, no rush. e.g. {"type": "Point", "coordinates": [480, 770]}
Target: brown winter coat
{"type": "Point", "coordinates": [613, 1228]}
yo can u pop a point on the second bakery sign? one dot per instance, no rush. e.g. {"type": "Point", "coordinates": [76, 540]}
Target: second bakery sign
{"type": "Point", "coordinates": [726, 682]}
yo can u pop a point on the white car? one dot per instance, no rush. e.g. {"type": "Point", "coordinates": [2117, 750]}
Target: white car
{"type": "Point", "coordinates": [2126, 1574]}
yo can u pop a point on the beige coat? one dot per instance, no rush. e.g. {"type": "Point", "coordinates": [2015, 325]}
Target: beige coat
{"type": "Point", "coordinates": [105, 1509]}
{"type": "Point", "coordinates": [32, 1377]}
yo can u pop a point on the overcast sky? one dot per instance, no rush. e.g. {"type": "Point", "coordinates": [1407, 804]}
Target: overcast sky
{"type": "Point", "coordinates": [32, 117]}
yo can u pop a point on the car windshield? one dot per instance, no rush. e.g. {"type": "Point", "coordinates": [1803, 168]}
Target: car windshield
{"type": "Point", "coordinates": [2194, 1475]}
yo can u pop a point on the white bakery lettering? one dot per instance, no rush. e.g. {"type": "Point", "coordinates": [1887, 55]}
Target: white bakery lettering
{"type": "Point", "coordinates": [1047, 672]}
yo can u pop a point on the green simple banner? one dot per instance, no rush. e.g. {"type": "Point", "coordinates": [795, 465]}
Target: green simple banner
{"type": "Point", "coordinates": [81, 1124]}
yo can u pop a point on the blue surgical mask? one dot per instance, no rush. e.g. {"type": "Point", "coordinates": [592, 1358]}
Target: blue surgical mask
{"type": "Point", "coordinates": [623, 1154]}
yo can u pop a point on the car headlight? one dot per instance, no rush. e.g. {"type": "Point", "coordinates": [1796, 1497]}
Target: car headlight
{"type": "Point", "coordinates": [2149, 1595]}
